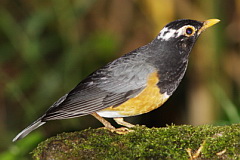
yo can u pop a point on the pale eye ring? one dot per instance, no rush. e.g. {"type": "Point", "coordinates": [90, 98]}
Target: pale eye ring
{"type": "Point", "coordinates": [189, 31]}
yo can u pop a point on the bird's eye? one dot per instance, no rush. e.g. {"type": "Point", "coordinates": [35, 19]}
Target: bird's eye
{"type": "Point", "coordinates": [189, 31]}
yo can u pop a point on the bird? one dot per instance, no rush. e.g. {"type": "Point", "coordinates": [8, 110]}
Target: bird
{"type": "Point", "coordinates": [133, 84]}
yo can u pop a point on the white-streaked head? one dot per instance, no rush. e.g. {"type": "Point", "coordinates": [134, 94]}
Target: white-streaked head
{"type": "Point", "coordinates": [184, 28]}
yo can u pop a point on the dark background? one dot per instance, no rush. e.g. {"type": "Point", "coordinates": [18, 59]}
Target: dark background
{"type": "Point", "coordinates": [48, 46]}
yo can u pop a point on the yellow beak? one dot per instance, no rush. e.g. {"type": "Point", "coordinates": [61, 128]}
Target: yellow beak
{"type": "Point", "coordinates": [208, 23]}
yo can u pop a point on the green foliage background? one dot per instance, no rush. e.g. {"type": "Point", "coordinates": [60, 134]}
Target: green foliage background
{"type": "Point", "coordinates": [47, 47]}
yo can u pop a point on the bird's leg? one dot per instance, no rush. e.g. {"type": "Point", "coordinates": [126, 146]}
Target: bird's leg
{"type": "Point", "coordinates": [123, 130]}
{"type": "Point", "coordinates": [103, 121]}
{"type": "Point", "coordinates": [120, 121]}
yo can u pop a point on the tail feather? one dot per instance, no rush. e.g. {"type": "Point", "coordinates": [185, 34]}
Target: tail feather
{"type": "Point", "coordinates": [29, 129]}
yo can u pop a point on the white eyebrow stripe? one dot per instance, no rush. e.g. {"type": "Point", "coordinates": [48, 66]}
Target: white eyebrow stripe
{"type": "Point", "coordinates": [166, 33]}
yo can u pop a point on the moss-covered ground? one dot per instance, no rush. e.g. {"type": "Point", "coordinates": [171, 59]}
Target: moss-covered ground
{"type": "Point", "coordinates": [171, 142]}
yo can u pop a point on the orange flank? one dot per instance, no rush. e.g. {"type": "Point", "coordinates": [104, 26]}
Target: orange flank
{"type": "Point", "coordinates": [149, 99]}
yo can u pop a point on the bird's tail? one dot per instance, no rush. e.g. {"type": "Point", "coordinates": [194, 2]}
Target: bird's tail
{"type": "Point", "coordinates": [29, 129]}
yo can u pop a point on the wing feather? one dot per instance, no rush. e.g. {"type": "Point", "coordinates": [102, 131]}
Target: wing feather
{"type": "Point", "coordinates": [111, 85]}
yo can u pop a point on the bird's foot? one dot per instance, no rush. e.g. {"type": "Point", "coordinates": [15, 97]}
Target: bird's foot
{"type": "Point", "coordinates": [123, 130]}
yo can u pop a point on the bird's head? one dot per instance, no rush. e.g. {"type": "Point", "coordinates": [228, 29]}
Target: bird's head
{"type": "Point", "coordinates": [182, 34]}
{"type": "Point", "coordinates": [184, 29]}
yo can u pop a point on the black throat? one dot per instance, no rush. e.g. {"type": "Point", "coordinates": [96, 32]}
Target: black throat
{"type": "Point", "coordinates": [171, 59]}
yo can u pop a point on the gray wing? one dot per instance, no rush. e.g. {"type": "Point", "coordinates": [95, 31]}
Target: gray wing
{"type": "Point", "coordinates": [109, 86]}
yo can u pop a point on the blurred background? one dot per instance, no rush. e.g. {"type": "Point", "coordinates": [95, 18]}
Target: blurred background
{"type": "Point", "coordinates": [47, 47]}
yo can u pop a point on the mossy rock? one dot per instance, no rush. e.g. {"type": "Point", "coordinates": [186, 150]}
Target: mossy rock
{"type": "Point", "coordinates": [171, 142]}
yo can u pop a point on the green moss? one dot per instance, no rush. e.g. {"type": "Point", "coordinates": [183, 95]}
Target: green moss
{"type": "Point", "coordinates": [170, 142]}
